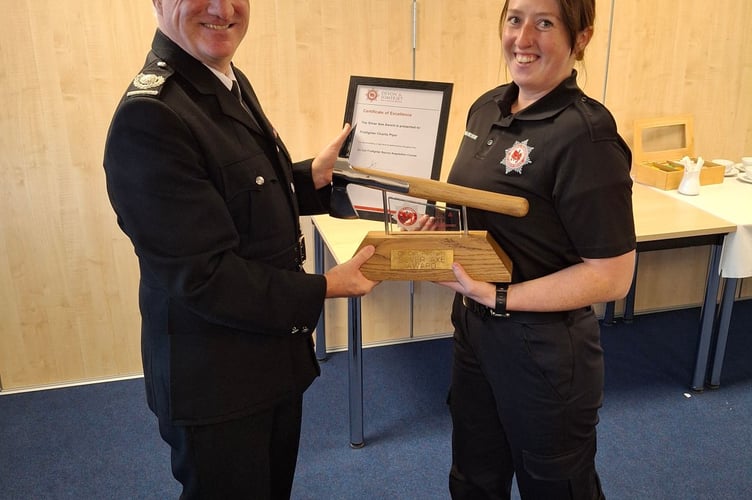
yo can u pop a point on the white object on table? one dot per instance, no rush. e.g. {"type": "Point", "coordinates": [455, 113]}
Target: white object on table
{"type": "Point", "coordinates": [730, 200]}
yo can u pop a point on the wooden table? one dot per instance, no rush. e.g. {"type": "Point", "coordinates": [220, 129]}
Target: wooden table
{"type": "Point", "coordinates": [730, 200]}
{"type": "Point", "coordinates": [661, 223]}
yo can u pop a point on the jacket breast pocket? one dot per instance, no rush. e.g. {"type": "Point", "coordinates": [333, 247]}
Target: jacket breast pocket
{"type": "Point", "coordinates": [258, 205]}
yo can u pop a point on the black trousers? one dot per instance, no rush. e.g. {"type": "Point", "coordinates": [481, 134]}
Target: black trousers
{"type": "Point", "coordinates": [524, 402]}
{"type": "Point", "coordinates": [252, 457]}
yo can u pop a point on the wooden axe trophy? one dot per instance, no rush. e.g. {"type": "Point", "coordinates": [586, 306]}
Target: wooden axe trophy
{"type": "Point", "coordinates": [427, 255]}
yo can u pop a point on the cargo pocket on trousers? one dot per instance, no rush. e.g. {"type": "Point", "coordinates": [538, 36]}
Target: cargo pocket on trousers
{"type": "Point", "coordinates": [560, 467]}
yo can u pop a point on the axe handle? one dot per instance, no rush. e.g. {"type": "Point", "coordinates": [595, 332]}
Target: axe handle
{"type": "Point", "coordinates": [429, 189]}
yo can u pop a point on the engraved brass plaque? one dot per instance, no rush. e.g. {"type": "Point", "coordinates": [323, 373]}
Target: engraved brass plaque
{"type": "Point", "coordinates": [422, 259]}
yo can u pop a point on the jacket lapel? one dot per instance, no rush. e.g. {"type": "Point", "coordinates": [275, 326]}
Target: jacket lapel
{"type": "Point", "coordinates": [231, 107]}
{"type": "Point", "coordinates": [206, 83]}
{"type": "Point", "coordinates": [255, 105]}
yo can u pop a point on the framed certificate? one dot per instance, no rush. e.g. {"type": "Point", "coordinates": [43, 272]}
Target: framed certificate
{"type": "Point", "coordinates": [399, 126]}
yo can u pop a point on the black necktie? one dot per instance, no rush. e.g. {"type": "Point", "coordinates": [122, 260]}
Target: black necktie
{"type": "Point", "coordinates": [236, 92]}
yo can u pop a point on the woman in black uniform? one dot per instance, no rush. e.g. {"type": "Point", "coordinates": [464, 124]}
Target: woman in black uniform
{"type": "Point", "coordinates": [527, 377]}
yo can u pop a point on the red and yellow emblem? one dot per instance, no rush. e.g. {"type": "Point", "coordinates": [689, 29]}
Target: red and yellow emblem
{"type": "Point", "coordinates": [517, 157]}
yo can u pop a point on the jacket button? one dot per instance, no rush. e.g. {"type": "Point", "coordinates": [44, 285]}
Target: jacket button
{"type": "Point", "coordinates": [260, 181]}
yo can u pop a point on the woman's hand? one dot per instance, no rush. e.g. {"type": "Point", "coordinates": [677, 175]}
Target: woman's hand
{"type": "Point", "coordinates": [425, 222]}
{"type": "Point", "coordinates": [480, 291]}
{"type": "Point", "coordinates": [589, 282]}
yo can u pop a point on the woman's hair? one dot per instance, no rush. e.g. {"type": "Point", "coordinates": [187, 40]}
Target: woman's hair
{"type": "Point", "coordinates": [578, 15]}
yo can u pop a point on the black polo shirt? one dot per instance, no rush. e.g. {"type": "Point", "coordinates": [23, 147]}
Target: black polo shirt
{"type": "Point", "coordinates": [564, 155]}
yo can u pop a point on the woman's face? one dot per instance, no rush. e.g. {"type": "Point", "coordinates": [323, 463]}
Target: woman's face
{"type": "Point", "coordinates": [536, 46]}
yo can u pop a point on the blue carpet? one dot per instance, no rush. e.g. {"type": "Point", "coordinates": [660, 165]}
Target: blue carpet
{"type": "Point", "coordinates": [657, 439]}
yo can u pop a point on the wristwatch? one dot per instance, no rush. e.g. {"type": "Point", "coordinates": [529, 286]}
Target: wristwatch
{"type": "Point", "coordinates": [500, 311]}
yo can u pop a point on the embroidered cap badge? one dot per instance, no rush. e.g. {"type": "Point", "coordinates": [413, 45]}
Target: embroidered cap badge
{"type": "Point", "coordinates": [517, 157]}
{"type": "Point", "coordinates": [145, 81]}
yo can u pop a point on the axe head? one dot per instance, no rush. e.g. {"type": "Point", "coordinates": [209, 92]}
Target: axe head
{"type": "Point", "coordinates": [340, 205]}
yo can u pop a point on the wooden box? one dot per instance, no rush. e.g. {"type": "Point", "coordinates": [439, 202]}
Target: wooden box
{"type": "Point", "coordinates": [660, 168]}
{"type": "Point", "coordinates": [654, 173]}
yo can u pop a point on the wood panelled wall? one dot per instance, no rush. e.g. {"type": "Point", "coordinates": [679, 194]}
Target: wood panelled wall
{"type": "Point", "coordinates": [68, 277]}
{"type": "Point", "coordinates": [68, 303]}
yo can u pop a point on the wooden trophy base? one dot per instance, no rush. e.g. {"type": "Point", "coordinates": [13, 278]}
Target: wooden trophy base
{"type": "Point", "coordinates": [428, 256]}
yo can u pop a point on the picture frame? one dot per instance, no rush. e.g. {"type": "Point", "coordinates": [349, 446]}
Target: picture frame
{"type": "Point", "coordinates": [399, 126]}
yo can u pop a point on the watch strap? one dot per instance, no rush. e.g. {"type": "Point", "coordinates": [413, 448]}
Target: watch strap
{"type": "Point", "coordinates": [500, 310]}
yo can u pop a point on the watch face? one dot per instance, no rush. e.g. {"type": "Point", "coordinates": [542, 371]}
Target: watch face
{"type": "Point", "coordinates": [501, 300]}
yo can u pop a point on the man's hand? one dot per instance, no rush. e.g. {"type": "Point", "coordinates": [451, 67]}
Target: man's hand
{"type": "Point", "coordinates": [346, 280]}
{"type": "Point", "coordinates": [323, 163]}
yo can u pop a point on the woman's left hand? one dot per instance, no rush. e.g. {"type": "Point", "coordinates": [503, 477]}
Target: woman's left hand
{"type": "Point", "coordinates": [480, 291]}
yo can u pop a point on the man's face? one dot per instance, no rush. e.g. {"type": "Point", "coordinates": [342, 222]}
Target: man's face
{"type": "Point", "coordinates": [209, 30]}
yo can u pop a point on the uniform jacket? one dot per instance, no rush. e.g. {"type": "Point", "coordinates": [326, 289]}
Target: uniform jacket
{"type": "Point", "coordinates": [210, 200]}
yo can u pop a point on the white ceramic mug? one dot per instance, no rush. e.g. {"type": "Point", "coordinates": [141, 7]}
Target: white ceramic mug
{"type": "Point", "coordinates": [746, 166]}
{"type": "Point", "coordinates": [727, 165]}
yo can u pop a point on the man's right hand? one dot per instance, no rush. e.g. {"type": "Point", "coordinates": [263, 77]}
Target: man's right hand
{"type": "Point", "coordinates": [346, 280]}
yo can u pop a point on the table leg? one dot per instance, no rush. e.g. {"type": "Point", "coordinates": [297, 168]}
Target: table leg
{"type": "Point", "coordinates": [727, 304]}
{"type": "Point", "coordinates": [707, 317]}
{"type": "Point", "coordinates": [355, 373]}
{"type": "Point", "coordinates": [629, 302]}
{"type": "Point", "coordinates": [608, 314]}
{"type": "Point", "coordinates": [318, 262]}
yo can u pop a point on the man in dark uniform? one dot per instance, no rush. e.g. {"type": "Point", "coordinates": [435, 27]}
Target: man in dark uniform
{"type": "Point", "coordinates": [210, 199]}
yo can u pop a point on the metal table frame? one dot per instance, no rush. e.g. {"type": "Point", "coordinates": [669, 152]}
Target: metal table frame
{"type": "Point", "coordinates": [724, 319]}
{"type": "Point", "coordinates": [708, 311]}
{"type": "Point", "coordinates": [354, 350]}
